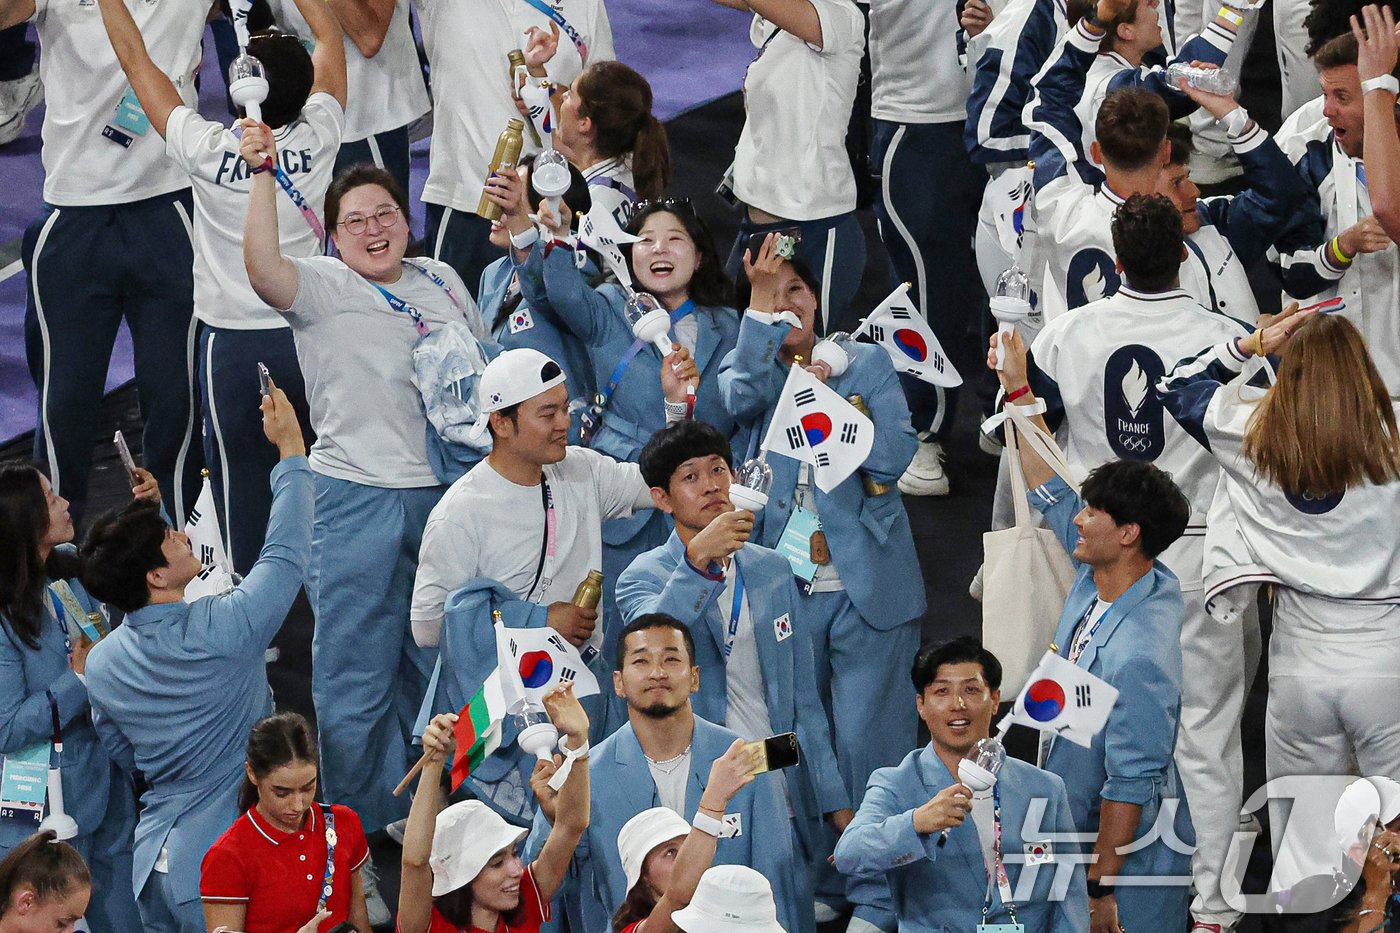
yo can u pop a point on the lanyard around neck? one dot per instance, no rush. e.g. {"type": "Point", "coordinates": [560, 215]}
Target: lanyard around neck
{"type": "Point", "coordinates": [996, 874]}
{"type": "Point", "coordinates": [735, 608]}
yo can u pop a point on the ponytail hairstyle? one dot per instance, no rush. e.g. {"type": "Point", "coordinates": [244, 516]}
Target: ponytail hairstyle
{"type": "Point", "coordinates": [50, 868]}
{"type": "Point", "coordinates": [273, 742]}
{"type": "Point", "coordinates": [618, 101]}
{"type": "Point", "coordinates": [24, 523]}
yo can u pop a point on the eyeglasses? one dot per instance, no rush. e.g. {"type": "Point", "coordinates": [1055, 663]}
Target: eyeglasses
{"type": "Point", "coordinates": [673, 205]}
{"type": "Point", "coordinates": [385, 214]}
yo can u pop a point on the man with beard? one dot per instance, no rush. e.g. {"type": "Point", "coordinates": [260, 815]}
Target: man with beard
{"type": "Point", "coordinates": [662, 757]}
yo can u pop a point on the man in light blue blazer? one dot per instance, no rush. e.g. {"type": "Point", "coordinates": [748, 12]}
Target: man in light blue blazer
{"type": "Point", "coordinates": [913, 826]}
{"type": "Point", "coordinates": [752, 640]}
{"type": "Point", "coordinates": [1121, 622]}
{"type": "Point", "coordinates": [177, 687]}
{"type": "Point", "coordinates": [865, 601]}
{"type": "Point", "coordinates": [662, 757]}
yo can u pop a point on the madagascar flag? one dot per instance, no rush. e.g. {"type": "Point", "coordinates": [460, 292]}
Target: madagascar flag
{"type": "Point", "coordinates": [478, 729]}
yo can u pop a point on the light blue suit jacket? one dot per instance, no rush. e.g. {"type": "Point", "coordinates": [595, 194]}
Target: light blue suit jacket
{"type": "Point", "coordinates": [636, 410]}
{"type": "Point", "coordinates": [1137, 649]}
{"type": "Point", "coordinates": [25, 675]}
{"type": "Point", "coordinates": [662, 580]}
{"type": "Point", "coordinates": [871, 543]}
{"type": "Point", "coordinates": [622, 787]}
{"type": "Point", "coordinates": [176, 689]}
{"type": "Point", "coordinates": [937, 890]}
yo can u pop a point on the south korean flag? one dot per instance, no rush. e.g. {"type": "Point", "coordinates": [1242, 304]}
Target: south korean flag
{"type": "Point", "coordinates": [207, 543]}
{"type": "Point", "coordinates": [896, 325]}
{"type": "Point", "coordinates": [813, 424]}
{"type": "Point", "coordinates": [599, 232]}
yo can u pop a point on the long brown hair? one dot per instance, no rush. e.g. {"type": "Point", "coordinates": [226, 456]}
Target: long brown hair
{"type": "Point", "coordinates": [638, 905]}
{"type": "Point", "coordinates": [1327, 424]}
{"type": "Point", "coordinates": [618, 101]}
{"type": "Point", "coordinates": [283, 739]}
{"type": "Point", "coordinates": [24, 523]}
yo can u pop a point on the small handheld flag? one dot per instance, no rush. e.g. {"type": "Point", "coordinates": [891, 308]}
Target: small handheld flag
{"type": "Point", "coordinates": [897, 325]}
{"type": "Point", "coordinates": [814, 424]}
{"type": "Point", "coordinates": [478, 729]}
{"type": "Point", "coordinates": [1064, 699]}
{"type": "Point", "coordinates": [207, 542]}
{"type": "Point", "coordinates": [533, 661]}
{"type": "Point", "coordinates": [599, 232]}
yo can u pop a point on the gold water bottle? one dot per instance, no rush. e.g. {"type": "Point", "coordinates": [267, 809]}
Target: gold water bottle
{"type": "Point", "coordinates": [872, 486]}
{"type": "Point", "coordinates": [507, 154]}
{"type": "Point", "coordinates": [590, 591]}
{"type": "Point", "coordinates": [517, 62]}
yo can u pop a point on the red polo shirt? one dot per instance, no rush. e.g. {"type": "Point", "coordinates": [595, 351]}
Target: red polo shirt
{"type": "Point", "coordinates": [529, 916]}
{"type": "Point", "coordinates": [279, 875]}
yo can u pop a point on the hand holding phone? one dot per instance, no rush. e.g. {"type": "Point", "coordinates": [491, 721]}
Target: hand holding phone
{"type": "Point", "coordinates": [264, 381]}
{"type": "Point", "coordinates": [124, 453]}
{"type": "Point", "coordinates": [777, 752]}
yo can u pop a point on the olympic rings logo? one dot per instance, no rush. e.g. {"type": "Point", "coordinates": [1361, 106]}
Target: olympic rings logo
{"type": "Point", "coordinates": [1136, 443]}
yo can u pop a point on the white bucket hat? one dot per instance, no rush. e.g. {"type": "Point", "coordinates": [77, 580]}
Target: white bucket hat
{"type": "Point", "coordinates": [730, 898]}
{"type": "Point", "coordinates": [467, 835]}
{"type": "Point", "coordinates": [513, 377]}
{"type": "Point", "coordinates": [645, 832]}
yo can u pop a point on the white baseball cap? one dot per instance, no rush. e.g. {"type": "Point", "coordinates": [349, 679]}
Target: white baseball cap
{"type": "Point", "coordinates": [729, 898]}
{"type": "Point", "coordinates": [467, 836]}
{"type": "Point", "coordinates": [513, 377]}
{"type": "Point", "coordinates": [645, 832]}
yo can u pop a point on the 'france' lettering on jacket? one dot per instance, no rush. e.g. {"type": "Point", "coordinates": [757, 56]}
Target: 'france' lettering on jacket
{"type": "Point", "coordinates": [1133, 412]}
{"type": "Point", "coordinates": [234, 169]}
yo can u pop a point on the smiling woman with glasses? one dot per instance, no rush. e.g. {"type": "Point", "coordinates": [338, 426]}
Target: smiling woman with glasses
{"type": "Point", "coordinates": [356, 320]}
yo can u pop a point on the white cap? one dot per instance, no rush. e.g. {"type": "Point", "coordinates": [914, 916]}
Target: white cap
{"type": "Point", "coordinates": [513, 377]}
{"type": "Point", "coordinates": [467, 836]}
{"type": "Point", "coordinates": [645, 832]}
{"type": "Point", "coordinates": [730, 898]}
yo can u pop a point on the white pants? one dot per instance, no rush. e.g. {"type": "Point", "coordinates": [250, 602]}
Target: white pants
{"type": "Point", "coordinates": [1218, 665]}
{"type": "Point", "coordinates": [1299, 78]}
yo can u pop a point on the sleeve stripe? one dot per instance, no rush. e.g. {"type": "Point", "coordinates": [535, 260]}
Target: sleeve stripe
{"type": "Point", "coordinates": [223, 900]}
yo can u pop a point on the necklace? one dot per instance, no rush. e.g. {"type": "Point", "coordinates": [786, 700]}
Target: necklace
{"type": "Point", "coordinates": [673, 762]}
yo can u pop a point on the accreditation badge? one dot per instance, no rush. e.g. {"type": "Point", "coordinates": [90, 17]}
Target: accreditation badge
{"type": "Point", "coordinates": [1001, 928]}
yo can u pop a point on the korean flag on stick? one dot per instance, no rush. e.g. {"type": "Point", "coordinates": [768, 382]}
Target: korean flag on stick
{"type": "Point", "coordinates": [207, 542]}
{"type": "Point", "coordinates": [599, 232]}
{"type": "Point", "coordinates": [896, 325]}
{"type": "Point", "coordinates": [815, 425]}
{"type": "Point", "coordinates": [1064, 700]}
{"type": "Point", "coordinates": [533, 661]}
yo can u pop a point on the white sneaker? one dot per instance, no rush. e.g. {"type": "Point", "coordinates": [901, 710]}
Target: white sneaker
{"type": "Point", "coordinates": [925, 476]}
{"type": "Point", "coordinates": [379, 914]}
{"type": "Point", "coordinates": [17, 99]}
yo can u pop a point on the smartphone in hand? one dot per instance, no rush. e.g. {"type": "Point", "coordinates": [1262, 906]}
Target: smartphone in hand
{"type": "Point", "coordinates": [124, 453]}
{"type": "Point", "coordinates": [264, 381]}
{"type": "Point", "coordinates": [779, 751]}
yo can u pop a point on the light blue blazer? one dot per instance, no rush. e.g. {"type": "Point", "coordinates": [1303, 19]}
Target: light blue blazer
{"type": "Point", "coordinates": [1137, 649]}
{"type": "Point", "coordinates": [943, 890]}
{"type": "Point", "coordinates": [88, 776]}
{"type": "Point", "coordinates": [622, 787]}
{"type": "Point", "coordinates": [176, 689]}
{"type": "Point", "coordinates": [663, 580]}
{"type": "Point", "coordinates": [871, 543]}
{"type": "Point", "coordinates": [636, 410]}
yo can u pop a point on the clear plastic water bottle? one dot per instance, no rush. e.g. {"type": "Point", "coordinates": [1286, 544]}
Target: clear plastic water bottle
{"type": "Point", "coordinates": [1223, 80]}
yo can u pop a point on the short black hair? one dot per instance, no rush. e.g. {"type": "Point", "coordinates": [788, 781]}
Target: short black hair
{"type": "Point", "coordinates": [578, 197]}
{"type": "Point", "coordinates": [1133, 492]}
{"type": "Point", "coordinates": [123, 546]}
{"type": "Point", "coordinates": [1130, 126]}
{"type": "Point", "coordinates": [709, 286]}
{"type": "Point", "coordinates": [357, 176]}
{"type": "Point", "coordinates": [1148, 238]}
{"type": "Point", "coordinates": [290, 74]}
{"type": "Point", "coordinates": [675, 444]}
{"type": "Point", "coordinates": [963, 650]}
{"type": "Point", "coordinates": [651, 620]}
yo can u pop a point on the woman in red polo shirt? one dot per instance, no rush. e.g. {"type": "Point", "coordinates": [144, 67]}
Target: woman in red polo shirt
{"type": "Point", "coordinates": [288, 863]}
{"type": "Point", "coordinates": [460, 870]}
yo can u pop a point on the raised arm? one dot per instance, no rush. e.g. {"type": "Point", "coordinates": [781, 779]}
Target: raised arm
{"type": "Point", "coordinates": [415, 874]}
{"type": "Point", "coordinates": [1013, 382]}
{"type": "Point", "coordinates": [14, 12]}
{"type": "Point", "coordinates": [571, 806]}
{"type": "Point", "coordinates": [154, 89]}
{"type": "Point", "coordinates": [273, 276]}
{"type": "Point", "coordinates": [1375, 60]}
{"type": "Point", "coordinates": [798, 17]}
{"type": "Point", "coordinates": [366, 22]}
{"type": "Point", "coordinates": [328, 58]}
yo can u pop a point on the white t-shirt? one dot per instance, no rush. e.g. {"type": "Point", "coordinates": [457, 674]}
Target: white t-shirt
{"type": "Point", "coordinates": [746, 708]}
{"type": "Point", "coordinates": [356, 353]}
{"type": "Point", "coordinates": [208, 152]}
{"type": "Point", "coordinates": [791, 159]}
{"type": "Point", "coordinates": [915, 74]}
{"type": "Point", "coordinates": [83, 86]}
{"type": "Point", "coordinates": [467, 42]}
{"type": "Point", "coordinates": [384, 92]}
{"type": "Point", "coordinates": [488, 526]}
{"type": "Point", "coordinates": [984, 817]}
{"type": "Point", "coordinates": [671, 782]}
